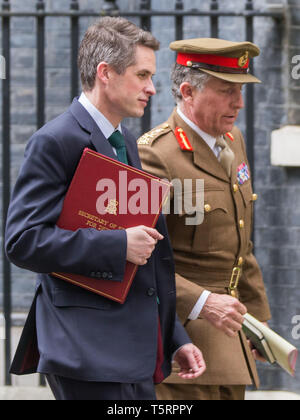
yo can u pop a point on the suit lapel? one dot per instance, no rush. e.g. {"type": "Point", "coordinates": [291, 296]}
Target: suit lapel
{"type": "Point", "coordinates": [132, 150]}
{"type": "Point", "coordinates": [203, 156]}
{"type": "Point", "coordinates": [97, 138]}
{"type": "Point", "coordinates": [101, 144]}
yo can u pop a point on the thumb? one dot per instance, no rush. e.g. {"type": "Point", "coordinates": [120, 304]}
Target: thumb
{"type": "Point", "coordinates": [153, 233]}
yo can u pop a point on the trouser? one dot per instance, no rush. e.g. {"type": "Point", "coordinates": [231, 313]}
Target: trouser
{"type": "Point", "coordinates": [200, 392]}
{"type": "Point", "coordinates": [66, 389]}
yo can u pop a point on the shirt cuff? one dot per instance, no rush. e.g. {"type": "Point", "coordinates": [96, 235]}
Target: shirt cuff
{"type": "Point", "coordinates": [199, 306]}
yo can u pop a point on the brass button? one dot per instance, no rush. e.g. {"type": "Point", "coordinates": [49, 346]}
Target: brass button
{"type": "Point", "coordinates": [235, 188]}
{"type": "Point", "coordinates": [242, 224]}
{"type": "Point", "coordinates": [254, 197]}
{"type": "Point", "coordinates": [207, 208]}
{"type": "Point", "coordinates": [241, 261]}
{"type": "Point", "coordinates": [233, 293]}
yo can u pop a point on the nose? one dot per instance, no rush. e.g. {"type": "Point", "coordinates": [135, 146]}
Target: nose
{"type": "Point", "coordinates": [150, 88]}
{"type": "Point", "coordinates": [240, 101]}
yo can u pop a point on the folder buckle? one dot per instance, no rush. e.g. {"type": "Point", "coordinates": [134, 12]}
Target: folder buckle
{"type": "Point", "coordinates": [234, 282]}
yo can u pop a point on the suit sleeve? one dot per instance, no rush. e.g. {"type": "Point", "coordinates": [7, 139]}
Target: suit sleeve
{"type": "Point", "coordinates": [33, 241]}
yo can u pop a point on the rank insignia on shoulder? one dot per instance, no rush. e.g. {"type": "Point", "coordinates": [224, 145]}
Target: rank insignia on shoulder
{"type": "Point", "coordinates": [148, 138]}
{"type": "Point", "coordinates": [230, 136]}
{"type": "Point", "coordinates": [243, 173]}
{"type": "Point", "coordinates": [183, 139]}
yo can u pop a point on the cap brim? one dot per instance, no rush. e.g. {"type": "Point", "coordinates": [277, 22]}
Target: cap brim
{"type": "Point", "coordinates": [233, 78]}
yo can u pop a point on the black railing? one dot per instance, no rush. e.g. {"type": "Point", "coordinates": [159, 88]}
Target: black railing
{"type": "Point", "coordinates": [110, 7]}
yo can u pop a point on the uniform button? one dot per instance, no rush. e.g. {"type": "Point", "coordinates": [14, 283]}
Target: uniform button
{"type": "Point", "coordinates": [254, 197]}
{"type": "Point", "coordinates": [151, 291]}
{"type": "Point", "coordinates": [233, 293]}
{"type": "Point", "coordinates": [235, 188]}
{"type": "Point", "coordinates": [207, 208]}
{"type": "Point", "coordinates": [242, 224]}
{"type": "Point", "coordinates": [241, 261]}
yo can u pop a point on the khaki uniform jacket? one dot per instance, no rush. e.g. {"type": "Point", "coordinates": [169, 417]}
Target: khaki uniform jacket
{"type": "Point", "coordinates": [206, 254]}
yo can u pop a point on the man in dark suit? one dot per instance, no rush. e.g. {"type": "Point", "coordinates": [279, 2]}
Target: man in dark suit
{"type": "Point", "coordinates": [88, 346]}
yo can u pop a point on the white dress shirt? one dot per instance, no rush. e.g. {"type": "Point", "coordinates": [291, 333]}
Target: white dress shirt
{"type": "Point", "coordinates": [102, 122]}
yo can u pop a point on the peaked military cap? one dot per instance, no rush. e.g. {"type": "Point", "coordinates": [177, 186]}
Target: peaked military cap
{"type": "Point", "coordinates": [223, 59]}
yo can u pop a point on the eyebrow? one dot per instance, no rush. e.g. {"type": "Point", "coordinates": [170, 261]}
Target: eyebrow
{"type": "Point", "coordinates": [145, 71]}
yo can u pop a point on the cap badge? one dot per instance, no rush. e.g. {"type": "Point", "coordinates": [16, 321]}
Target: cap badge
{"type": "Point", "coordinates": [243, 60]}
{"type": "Point", "coordinates": [183, 139]}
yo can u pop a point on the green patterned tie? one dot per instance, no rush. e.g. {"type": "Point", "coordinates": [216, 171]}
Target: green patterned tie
{"type": "Point", "coordinates": [118, 142]}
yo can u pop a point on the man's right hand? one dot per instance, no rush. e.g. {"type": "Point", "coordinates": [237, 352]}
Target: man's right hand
{"type": "Point", "coordinates": [225, 313]}
{"type": "Point", "coordinates": [141, 242]}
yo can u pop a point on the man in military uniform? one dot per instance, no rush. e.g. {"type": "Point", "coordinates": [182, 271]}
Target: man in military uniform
{"type": "Point", "coordinates": [218, 277]}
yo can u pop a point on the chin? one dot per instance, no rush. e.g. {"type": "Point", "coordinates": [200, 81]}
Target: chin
{"type": "Point", "coordinates": [228, 129]}
{"type": "Point", "coordinates": [140, 113]}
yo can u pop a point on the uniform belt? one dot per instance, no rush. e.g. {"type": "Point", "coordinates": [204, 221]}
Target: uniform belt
{"type": "Point", "coordinates": [227, 279]}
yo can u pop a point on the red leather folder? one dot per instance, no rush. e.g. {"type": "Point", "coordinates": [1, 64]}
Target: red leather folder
{"type": "Point", "coordinates": [107, 194]}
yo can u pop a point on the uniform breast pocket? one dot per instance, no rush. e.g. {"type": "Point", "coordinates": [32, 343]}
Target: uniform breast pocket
{"type": "Point", "coordinates": [211, 233]}
{"type": "Point", "coordinates": [247, 193]}
{"type": "Point", "coordinates": [187, 212]}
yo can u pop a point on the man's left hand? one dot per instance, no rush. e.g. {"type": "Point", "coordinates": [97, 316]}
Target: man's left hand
{"type": "Point", "coordinates": [191, 362]}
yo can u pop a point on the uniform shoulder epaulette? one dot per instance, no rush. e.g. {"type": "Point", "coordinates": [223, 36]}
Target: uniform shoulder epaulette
{"type": "Point", "coordinates": [154, 134]}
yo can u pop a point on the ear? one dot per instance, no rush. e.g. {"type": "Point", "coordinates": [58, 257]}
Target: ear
{"type": "Point", "coordinates": [103, 72]}
{"type": "Point", "coordinates": [187, 91]}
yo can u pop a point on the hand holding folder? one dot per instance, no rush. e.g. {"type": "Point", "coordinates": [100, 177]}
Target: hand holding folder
{"type": "Point", "coordinates": [106, 194]}
{"type": "Point", "coordinates": [270, 345]}
{"type": "Point", "coordinates": [141, 242]}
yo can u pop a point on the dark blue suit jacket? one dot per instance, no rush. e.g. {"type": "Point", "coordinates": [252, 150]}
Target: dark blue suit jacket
{"type": "Point", "coordinates": [82, 335]}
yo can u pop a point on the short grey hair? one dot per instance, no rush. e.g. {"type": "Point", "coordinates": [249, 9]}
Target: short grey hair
{"type": "Point", "coordinates": [113, 40]}
{"type": "Point", "coordinates": [181, 74]}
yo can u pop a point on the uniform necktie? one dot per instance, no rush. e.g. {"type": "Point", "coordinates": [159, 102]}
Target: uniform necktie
{"type": "Point", "coordinates": [226, 155]}
{"type": "Point", "coordinates": [118, 142]}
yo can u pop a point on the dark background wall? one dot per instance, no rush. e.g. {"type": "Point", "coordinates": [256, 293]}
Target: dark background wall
{"type": "Point", "coordinates": [277, 103]}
